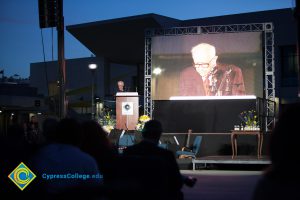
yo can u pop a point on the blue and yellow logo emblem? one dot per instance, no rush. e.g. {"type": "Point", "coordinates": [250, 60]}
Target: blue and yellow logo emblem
{"type": "Point", "coordinates": [22, 176]}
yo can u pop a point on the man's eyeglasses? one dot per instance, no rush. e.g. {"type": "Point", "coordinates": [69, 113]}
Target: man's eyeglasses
{"type": "Point", "coordinates": [203, 65]}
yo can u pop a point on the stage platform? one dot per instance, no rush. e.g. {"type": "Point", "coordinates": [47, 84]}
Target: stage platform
{"type": "Point", "coordinates": [247, 160]}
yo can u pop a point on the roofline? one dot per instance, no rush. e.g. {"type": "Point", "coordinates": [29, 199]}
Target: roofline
{"type": "Point", "coordinates": [120, 19]}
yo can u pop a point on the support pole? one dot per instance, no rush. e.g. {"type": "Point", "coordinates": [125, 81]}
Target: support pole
{"type": "Point", "coordinates": [61, 58]}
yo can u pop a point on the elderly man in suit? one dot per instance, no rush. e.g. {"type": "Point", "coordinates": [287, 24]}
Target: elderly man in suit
{"type": "Point", "coordinates": [209, 78]}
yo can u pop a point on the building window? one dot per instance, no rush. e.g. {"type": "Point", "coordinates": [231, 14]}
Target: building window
{"type": "Point", "coordinates": [289, 66]}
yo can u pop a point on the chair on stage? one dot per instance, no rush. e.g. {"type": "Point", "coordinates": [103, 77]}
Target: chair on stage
{"type": "Point", "coordinates": [125, 141]}
{"type": "Point", "coordinates": [190, 153]}
{"type": "Point", "coordinates": [163, 145]}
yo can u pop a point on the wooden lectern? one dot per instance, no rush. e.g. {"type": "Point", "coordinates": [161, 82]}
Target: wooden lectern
{"type": "Point", "coordinates": [127, 110]}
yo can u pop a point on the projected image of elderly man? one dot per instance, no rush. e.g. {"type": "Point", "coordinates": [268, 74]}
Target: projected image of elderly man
{"type": "Point", "coordinates": [207, 77]}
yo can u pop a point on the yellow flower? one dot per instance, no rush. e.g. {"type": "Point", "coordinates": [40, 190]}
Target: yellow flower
{"type": "Point", "coordinates": [144, 118]}
{"type": "Point", "coordinates": [108, 128]}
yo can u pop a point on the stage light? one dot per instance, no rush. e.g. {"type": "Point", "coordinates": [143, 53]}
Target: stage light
{"type": "Point", "coordinates": [211, 97]}
{"type": "Point", "coordinates": [39, 113]}
{"type": "Point", "coordinates": [157, 71]}
{"type": "Point", "coordinates": [0, 111]}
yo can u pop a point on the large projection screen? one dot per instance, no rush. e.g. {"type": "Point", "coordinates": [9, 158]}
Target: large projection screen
{"type": "Point", "coordinates": [238, 53]}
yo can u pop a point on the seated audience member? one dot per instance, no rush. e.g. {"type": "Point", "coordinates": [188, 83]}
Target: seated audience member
{"type": "Point", "coordinates": [14, 150]}
{"type": "Point", "coordinates": [61, 157]}
{"type": "Point", "coordinates": [96, 144]}
{"type": "Point", "coordinates": [281, 179]}
{"type": "Point", "coordinates": [148, 147]}
{"type": "Point", "coordinates": [49, 129]}
{"type": "Point", "coordinates": [32, 131]}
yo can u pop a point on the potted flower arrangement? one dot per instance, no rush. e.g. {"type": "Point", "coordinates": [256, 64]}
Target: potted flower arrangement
{"type": "Point", "coordinates": [249, 119]}
{"type": "Point", "coordinates": [107, 121]}
{"type": "Point", "coordinates": [142, 120]}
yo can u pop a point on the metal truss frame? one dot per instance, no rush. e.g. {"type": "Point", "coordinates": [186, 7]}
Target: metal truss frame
{"type": "Point", "coordinates": [269, 66]}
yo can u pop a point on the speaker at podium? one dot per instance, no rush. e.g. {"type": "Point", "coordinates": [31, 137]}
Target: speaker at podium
{"type": "Point", "coordinates": [127, 110]}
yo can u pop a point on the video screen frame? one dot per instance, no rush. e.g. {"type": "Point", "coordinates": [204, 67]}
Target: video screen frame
{"type": "Point", "coordinates": [268, 53]}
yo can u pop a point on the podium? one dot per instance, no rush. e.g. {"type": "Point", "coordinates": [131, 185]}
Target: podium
{"type": "Point", "coordinates": [127, 110]}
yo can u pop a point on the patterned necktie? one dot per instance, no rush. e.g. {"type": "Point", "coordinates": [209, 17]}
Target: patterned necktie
{"type": "Point", "coordinates": [206, 87]}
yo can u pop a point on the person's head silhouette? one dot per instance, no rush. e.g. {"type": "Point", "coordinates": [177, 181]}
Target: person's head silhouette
{"type": "Point", "coordinates": [68, 131]}
{"type": "Point", "coordinates": [152, 130]}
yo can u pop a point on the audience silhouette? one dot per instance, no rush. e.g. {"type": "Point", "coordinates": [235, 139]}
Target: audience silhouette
{"type": "Point", "coordinates": [14, 150]}
{"type": "Point", "coordinates": [143, 171]}
{"type": "Point", "coordinates": [149, 148]}
{"type": "Point", "coordinates": [49, 129]}
{"type": "Point", "coordinates": [32, 131]}
{"type": "Point", "coordinates": [282, 179]}
{"type": "Point", "coordinates": [62, 156]}
{"type": "Point", "coordinates": [96, 143]}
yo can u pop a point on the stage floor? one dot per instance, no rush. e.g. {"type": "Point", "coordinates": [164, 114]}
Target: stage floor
{"type": "Point", "coordinates": [247, 160]}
